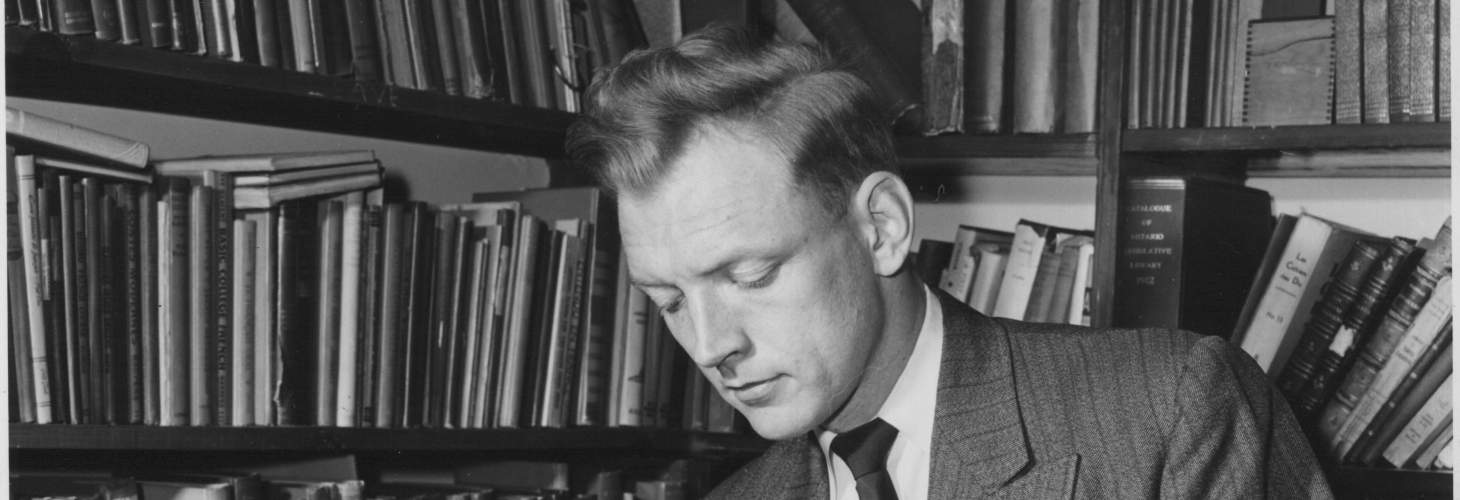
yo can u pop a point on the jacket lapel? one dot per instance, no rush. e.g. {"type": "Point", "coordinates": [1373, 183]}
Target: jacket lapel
{"type": "Point", "coordinates": [979, 443]}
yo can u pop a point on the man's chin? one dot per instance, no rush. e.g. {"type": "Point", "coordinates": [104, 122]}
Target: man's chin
{"type": "Point", "coordinates": [778, 427]}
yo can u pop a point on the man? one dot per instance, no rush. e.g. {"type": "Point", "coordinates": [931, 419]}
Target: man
{"type": "Point", "coordinates": [761, 211]}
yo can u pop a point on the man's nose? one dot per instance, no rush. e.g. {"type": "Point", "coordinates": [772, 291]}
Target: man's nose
{"type": "Point", "coordinates": [718, 336]}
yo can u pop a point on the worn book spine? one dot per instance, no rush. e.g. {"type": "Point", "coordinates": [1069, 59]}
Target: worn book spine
{"type": "Point", "coordinates": [1397, 26]}
{"type": "Point", "coordinates": [1421, 65]}
{"type": "Point", "coordinates": [133, 290]}
{"type": "Point", "coordinates": [1358, 324]}
{"type": "Point", "coordinates": [301, 36]}
{"type": "Point", "coordinates": [1081, 41]}
{"type": "Point", "coordinates": [21, 286]}
{"type": "Point", "coordinates": [367, 371]}
{"type": "Point", "coordinates": [395, 50]}
{"type": "Point", "coordinates": [1407, 402]}
{"type": "Point", "coordinates": [473, 58]}
{"type": "Point", "coordinates": [1442, 62]}
{"type": "Point", "coordinates": [243, 34]}
{"type": "Point", "coordinates": [942, 54]}
{"type": "Point", "coordinates": [1371, 357]}
{"type": "Point", "coordinates": [1376, 52]}
{"type": "Point", "coordinates": [128, 27]}
{"type": "Point", "coordinates": [173, 320]}
{"type": "Point", "coordinates": [202, 364]}
{"type": "Point", "coordinates": [985, 70]}
{"type": "Point", "coordinates": [420, 43]}
{"type": "Point", "coordinates": [1348, 69]}
{"type": "Point", "coordinates": [327, 309]}
{"type": "Point", "coordinates": [388, 327]}
{"type": "Point", "coordinates": [31, 257]}
{"type": "Point", "coordinates": [639, 312]}
{"type": "Point", "coordinates": [1426, 422]}
{"type": "Point", "coordinates": [1327, 317]}
{"type": "Point", "coordinates": [532, 33]}
{"type": "Point", "coordinates": [1035, 91]}
{"type": "Point", "coordinates": [221, 342]}
{"type": "Point", "coordinates": [445, 43]}
{"type": "Point", "coordinates": [351, 269]}
{"type": "Point", "coordinates": [88, 307]}
{"type": "Point", "coordinates": [264, 336]}
{"type": "Point", "coordinates": [266, 31]}
{"type": "Point", "coordinates": [242, 378]}
{"type": "Point", "coordinates": [1148, 261]}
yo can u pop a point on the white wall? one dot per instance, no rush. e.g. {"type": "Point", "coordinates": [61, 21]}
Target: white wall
{"type": "Point", "coordinates": [429, 173]}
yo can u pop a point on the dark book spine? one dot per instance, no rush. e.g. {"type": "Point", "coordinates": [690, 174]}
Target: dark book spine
{"type": "Point", "coordinates": [201, 336]}
{"type": "Point", "coordinates": [296, 283]}
{"type": "Point", "coordinates": [365, 47]}
{"type": "Point", "coordinates": [1432, 368]}
{"type": "Point", "coordinates": [88, 277]}
{"type": "Point", "coordinates": [107, 19]}
{"type": "Point", "coordinates": [1358, 323]}
{"type": "Point", "coordinates": [245, 32]}
{"type": "Point", "coordinates": [440, 323]}
{"type": "Point", "coordinates": [158, 20]}
{"type": "Point", "coordinates": [184, 26]}
{"type": "Point", "coordinates": [834, 24]}
{"type": "Point", "coordinates": [943, 67]}
{"type": "Point", "coordinates": [1327, 317]}
{"type": "Point", "coordinates": [333, 42]}
{"type": "Point", "coordinates": [327, 309]}
{"type": "Point", "coordinates": [205, 21]}
{"type": "Point", "coordinates": [1148, 261]}
{"type": "Point", "coordinates": [471, 49]}
{"type": "Point", "coordinates": [597, 344]}
{"type": "Point", "coordinates": [129, 25]}
{"type": "Point", "coordinates": [417, 320]}
{"type": "Point", "coordinates": [1399, 49]}
{"type": "Point", "coordinates": [540, 346]}
{"type": "Point", "coordinates": [147, 302]}
{"type": "Point", "coordinates": [74, 17]}
{"type": "Point", "coordinates": [371, 262]}
{"type": "Point", "coordinates": [986, 28]}
{"type": "Point", "coordinates": [267, 31]}
{"type": "Point", "coordinates": [390, 290]}
{"type": "Point", "coordinates": [422, 46]}
{"type": "Point", "coordinates": [506, 56]}
{"type": "Point", "coordinates": [284, 34]}
{"type": "Point", "coordinates": [66, 347]}
{"type": "Point", "coordinates": [222, 322]}
{"type": "Point", "coordinates": [446, 48]}
{"type": "Point", "coordinates": [116, 316]}
{"type": "Point", "coordinates": [537, 70]}
{"type": "Point", "coordinates": [23, 12]}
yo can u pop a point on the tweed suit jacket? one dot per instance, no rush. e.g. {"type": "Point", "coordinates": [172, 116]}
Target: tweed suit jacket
{"type": "Point", "coordinates": [1030, 410]}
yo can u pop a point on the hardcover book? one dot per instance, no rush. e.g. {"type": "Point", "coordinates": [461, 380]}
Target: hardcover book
{"type": "Point", "coordinates": [1289, 72]}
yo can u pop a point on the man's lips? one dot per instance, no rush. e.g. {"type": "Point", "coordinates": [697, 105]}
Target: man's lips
{"type": "Point", "coordinates": [751, 393]}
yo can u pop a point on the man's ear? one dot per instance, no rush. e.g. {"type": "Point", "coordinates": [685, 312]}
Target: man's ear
{"type": "Point", "coordinates": [884, 209]}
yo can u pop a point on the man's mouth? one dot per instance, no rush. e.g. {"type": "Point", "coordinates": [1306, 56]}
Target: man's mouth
{"type": "Point", "coordinates": [754, 393]}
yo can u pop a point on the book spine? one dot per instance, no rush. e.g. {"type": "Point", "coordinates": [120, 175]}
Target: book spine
{"type": "Point", "coordinates": [1375, 45]}
{"type": "Point", "coordinates": [943, 66]}
{"type": "Point", "coordinates": [1442, 62]}
{"type": "Point", "coordinates": [200, 358]}
{"type": "Point", "coordinates": [1425, 395]}
{"type": "Point", "coordinates": [245, 243]}
{"type": "Point", "coordinates": [351, 231]}
{"type": "Point", "coordinates": [1327, 317]}
{"type": "Point", "coordinates": [244, 33]}
{"type": "Point", "coordinates": [1042, 293]}
{"type": "Point", "coordinates": [985, 70]}
{"type": "Point", "coordinates": [391, 284]}
{"type": "Point", "coordinates": [471, 49]}
{"type": "Point", "coordinates": [419, 42]}
{"type": "Point", "coordinates": [1421, 65]}
{"type": "Point", "coordinates": [1358, 324]}
{"type": "Point", "coordinates": [74, 17]}
{"type": "Point", "coordinates": [368, 371]}
{"type": "Point", "coordinates": [1021, 270]}
{"type": "Point", "coordinates": [1035, 90]}
{"type": "Point", "coordinates": [395, 43]}
{"type": "Point", "coordinates": [365, 48]}
{"type": "Point", "coordinates": [1427, 421]}
{"type": "Point", "coordinates": [1372, 357]}
{"type": "Point", "coordinates": [1348, 68]}
{"type": "Point", "coordinates": [156, 17]}
{"type": "Point", "coordinates": [265, 337]}
{"type": "Point", "coordinates": [631, 376]}
{"type": "Point", "coordinates": [1149, 258]}
{"type": "Point", "coordinates": [266, 31]}
{"type": "Point", "coordinates": [89, 276]}
{"type": "Point", "coordinates": [534, 42]}
{"type": "Point", "coordinates": [31, 257]}
{"type": "Point", "coordinates": [221, 323]}
{"type": "Point", "coordinates": [1081, 42]}
{"type": "Point", "coordinates": [445, 44]}
{"type": "Point", "coordinates": [147, 270]}
{"type": "Point", "coordinates": [129, 28]}
{"type": "Point", "coordinates": [21, 287]}
{"type": "Point", "coordinates": [327, 310]}
{"type": "Point", "coordinates": [132, 294]}
{"type": "Point", "coordinates": [599, 322]}
{"type": "Point", "coordinates": [172, 282]}
{"type": "Point", "coordinates": [301, 36]}
{"type": "Point", "coordinates": [1397, 27]}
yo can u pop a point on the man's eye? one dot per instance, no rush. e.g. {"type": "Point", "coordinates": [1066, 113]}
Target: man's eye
{"type": "Point", "coordinates": [763, 281]}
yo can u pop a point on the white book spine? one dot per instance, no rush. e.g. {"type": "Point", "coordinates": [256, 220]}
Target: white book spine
{"type": "Point", "coordinates": [631, 385]}
{"type": "Point", "coordinates": [31, 258]}
{"type": "Point", "coordinates": [1264, 338]}
{"type": "Point", "coordinates": [349, 320]}
{"type": "Point", "coordinates": [244, 238]}
{"type": "Point", "coordinates": [1019, 276]}
{"type": "Point", "coordinates": [1079, 306]}
{"type": "Point", "coordinates": [1434, 414]}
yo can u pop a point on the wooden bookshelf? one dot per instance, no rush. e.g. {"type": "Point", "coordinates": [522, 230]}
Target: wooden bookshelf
{"type": "Point", "coordinates": [336, 439]}
{"type": "Point", "coordinates": [1014, 154]}
{"type": "Point", "coordinates": [1304, 137]}
{"type": "Point", "coordinates": [89, 71]}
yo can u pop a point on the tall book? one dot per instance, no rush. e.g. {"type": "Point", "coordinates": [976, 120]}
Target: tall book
{"type": "Point", "coordinates": [1188, 249]}
{"type": "Point", "coordinates": [1310, 256]}
{"type": "Point", "coordinates": [943, 66]}
{"type": "Point", "coordinates": [985, 69]}
{"type": "Point", "coordinates": [984, 291]}
{"type": "Point", "coordinates": [1080, 39]}
{"type": "Point", "coordinates": [31, 258]}
{"type": "Point", "coordinates": [352, 270]}
{"type": "Point", "coordinates": [1398, 34]}
{"type": "Point", "coordinates": [1036, 54]}
{"type": "Point", "coordinates": [1348, 70]}
{"type": "Point", "coordinates": [1031, 241]}
{"type": "Point", "coordinates": [1421, 77]}
{"type": "Point", "coordinates": [1375, 43]}
{"type": "Point", "coordinates": [1407, 304]}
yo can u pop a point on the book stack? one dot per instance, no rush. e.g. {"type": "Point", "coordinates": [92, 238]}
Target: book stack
{"type": "Point", "coordinates": [1024, 67]}
{"type": "Point", "coordinates": [1355, 331]}
{"type": "Point", "coordinates": [1226, 63]}
{"type": "Point", "coordinates": [283, 289]}
{"type": "Point", "coordinates": [520, 51]}
{"type": "Point", "coordinates": [1039, 272]}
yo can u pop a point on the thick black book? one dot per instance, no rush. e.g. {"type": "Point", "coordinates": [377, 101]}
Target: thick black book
{"type": "Point", "coordinates": [1187, 251]}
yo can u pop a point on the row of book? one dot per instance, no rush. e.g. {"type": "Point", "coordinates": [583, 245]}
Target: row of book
{"type": "Point", "coordinates": [1355, 329]}
{"type": "Point", "coordinates": [995, 66]}
{"type": "Point", "coordinates": [529, 52]}
{"type": "Point", "coordinates": [1224, 63]}
{"type": "Point", "coordinates": [1039, 272]}
{"type": "Point", "coordinates": [340, 478]}
{"type": "Point", "coordinates": [173, 296]}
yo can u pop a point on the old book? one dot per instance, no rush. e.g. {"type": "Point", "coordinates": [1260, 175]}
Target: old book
{"type": "Point", "coordinates": [296, 234]}
{"type": "Point", "coordinates": [1424, 400]}
{"type": "Point", "coordinates": [531, 24]}
{"type": "Point", "coordinates": [202, 248]}
{"type": "Point", "coordinates": [1282, 229]}
{"type": "Point", "coordinates": [1041, 295]}
{"type": "Point", "coordinates": [1411, 298]}
{"type": "Point", "coordinates": [563, 64]}
{"type": "Point", "coordinates": [1348, 70]}
{"type": "Point", "coordinates": [268, 162]}
{"type": "Point", "coordinates": [1289, 72]}
{"type": "Point", "coordinates": [1359, 321]}
{"type": "Point", "coordinates": [943, 66]}
{"type": "Point", "coordinates": [472, 59]}
{"type": "Point", "coordinates": [1424, 426]}
{"type": "Point", "coordinates": [957, 279]}
{"type": "Point", "coordinates": [985, 68]}
{"type": "Point", "coordinates": [284, 32]}
{"type": "Point", "coordinates": [74, 17]}
{"type": "Point", "coordinates": [245, 241]}
{"type": "Point", "coordinates": [1065, 288]}
{"type": "Point", "coordinates": [32, 266]}
{"type": "Point", "coordinates": [46, 131]}
{"type": "Point", "coordinates": [107, 19]}
{"type": "Point", "coordinates": [1421, 76]}
{"type": "Point", "coordinates": [93, 170]}
{"type": "Point", "coordinates": [1031, 240]}
{"type": "Point", "coordinates": [1080, 37]}
{"type": "Point", "coordinates": [243, 35]}
{"type": "Point", "coordinates": [127, 25]}
{"type": "Point", "coordinates": [301, 36]}
{"type": "Point", "coordinates": [1328, 314]}
{"type": "Point", "coordinates": [148, 300]}
{"type": "Point", "coordinates": [1189, 248]}
{"type": "Point", "coordinates": [158, 19]}
{"type": "Point", "coordinates": [351, 269]}
{"type": "Point", "coordinates": [20, 294]}
{"type": "Point", "coordinates": [388, 329]}
{"type": "Point", "coordinates": [1309, 259]}
{"type": "Point", "coordinates": [984, 291]}
{"type": "Point", "coordinates": [366, 370]}
{"type": "Point", "coordinates": [639, 312]}
{"type": "Point", "coordinates": [326, 313]}
{"type": "Point", "coordinates": [1422, 337]}
{"type": "Point", "coordinates": [172, 295]}
{"type": "Point", "coordinates": [1135, 57]}
{"type": "Point", "coordinates": [444, 43]}
{"type": "Point", "coordinates": [503, 55]}
{"type": "Point", "coordinates": [1375, 19]}
{"type": "Point", "coordinates": [1397, 32]}
{"type": "Point", "coordinates": [1442, 63]}
{"type": "Point", "coordinates": [1435, 452]}
{"type": "Point", "coordinates": [261, 197]}
{"type": "Point", "coordinates": [395, 44]}
{"type": "Point", "coordinates": [264, 336]}
{"type": "Point", "coordinates": [1036, 91]}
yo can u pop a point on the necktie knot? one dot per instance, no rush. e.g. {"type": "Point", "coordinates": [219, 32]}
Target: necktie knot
{"type": "Point", "coordinates": [865, 448]}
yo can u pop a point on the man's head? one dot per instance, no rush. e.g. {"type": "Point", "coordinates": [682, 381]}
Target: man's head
{"type": "Point", "coordinates": [759, 211]}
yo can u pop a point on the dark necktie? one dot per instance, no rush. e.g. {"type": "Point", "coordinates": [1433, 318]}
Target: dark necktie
{"type": "Point", "coordinates": [864, 449]}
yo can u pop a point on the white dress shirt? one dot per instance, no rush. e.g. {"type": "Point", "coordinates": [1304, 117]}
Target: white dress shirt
{"type": "Point", "coordinates": [910, 409]}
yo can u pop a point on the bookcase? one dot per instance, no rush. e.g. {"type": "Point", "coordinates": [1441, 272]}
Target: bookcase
{"type": "Point", "coordinates": [86, 71]}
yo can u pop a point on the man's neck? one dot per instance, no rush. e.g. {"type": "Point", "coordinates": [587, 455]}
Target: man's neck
{"type": "Point", "coordinates": [905, 307]}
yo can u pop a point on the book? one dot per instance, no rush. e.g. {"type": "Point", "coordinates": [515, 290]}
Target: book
{"type": "Point", "coordinates": [1436, 452]}
{"type": "Point", "coordinates": [444, 47]}
{"type": "Point", "coordinates": [395, 44]}
{"type": "Point", "coordinates": [261, 197]}
{"type": "Point", "coordinates": [638, 313]}
{"type": "Point", "coordinates": [202, 251]}
{"type": "Point", "coordinates": [1406, 306]}
{"type": "Point", "coordinates": [172, 298]}
{"type": "Point", "coordinates": [1189, 248]}
{"type": "Point", "coordinates": [985, 66]}
{"type": "Point", "coordinates": [1420, 78]}
{"type": "Point", "coordinates": [1080, 37]}
{"type": "Point", "coordinates": [1375, 43]}
{"type": "Point", "coordinates": [474, 65]}
{"type": "Point", "coordinates": [74, 138]}
{"type": "Point", "coordinates": [32, 267]}
{"type": "Point", "coordinates": [364, 47]}
{"type": "Point", "coordinates": [1398, 35]}
{"type": "Point", "coordinates": [1310, 256]}
{"type": "Point", "coordinates": [19, 290]}
{"type": "Point", "coordinates": [985, 289]}
{"type": "Point", "coordinates": [531, 24]}
{"type": "Point", "coordinates": [352, 268]}
{"type": "Point", "coordinates": [1359, 321]}
{"type": "Point", "coordinates": [943, 66]}
{"type": "Point", "coordinates": [1071, 253]}
{"type": "Point", "coordinates": [1031, 240]}
{"type": "Point", "coordinates": [968, 241]}
{"type": "Point", "coordinates": [1328, 314]}
{"type": "Point", "coordinates": [245, 241]}
{"type": "Point", "coordinates": [1035, 55]}
{"type": "Point", "coordinates": [1442, 62]}
{"type": "Point", "coordinates": [268, 162]}
{"type": "Point", "coordinates": [1425, 405]}
{"type": "Point", "coordinates": [1290, 72]}
{"type": "Point", "coordinates": [1348, 69]}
